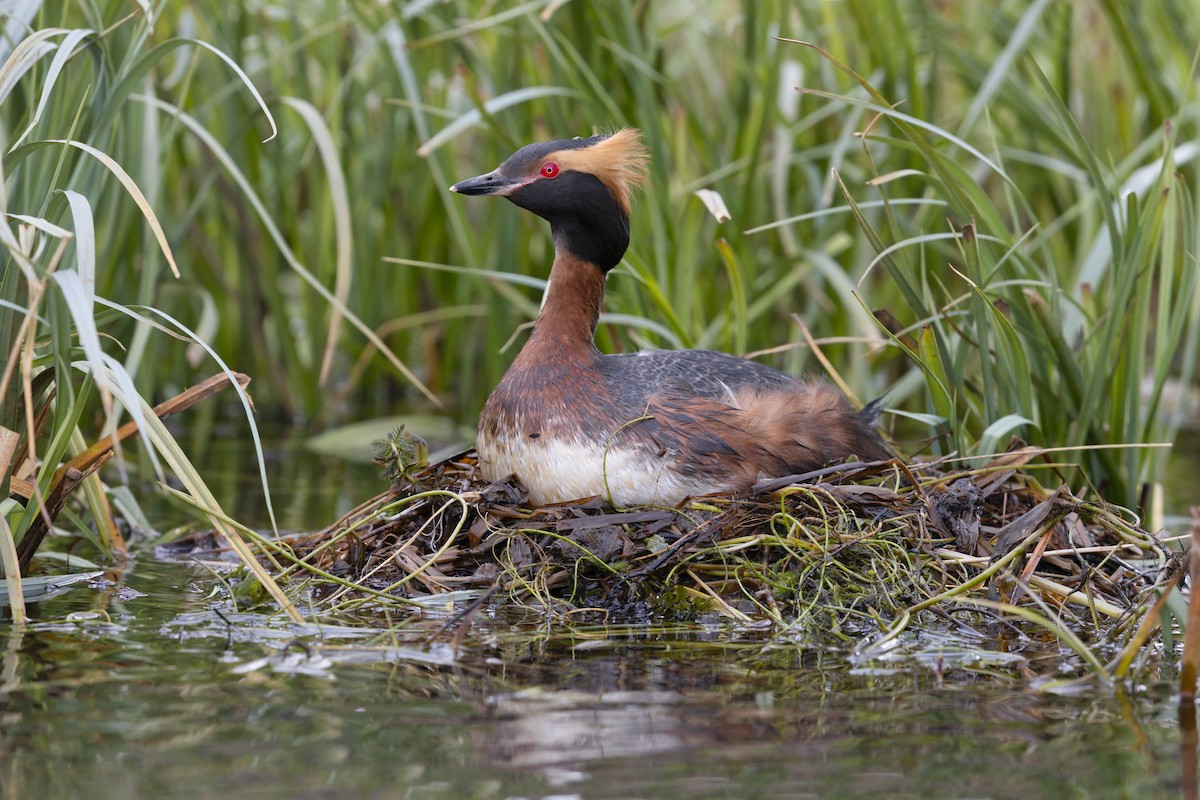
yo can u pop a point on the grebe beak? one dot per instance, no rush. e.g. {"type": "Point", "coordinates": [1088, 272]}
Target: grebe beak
{"type": "Point", "coordinates": [492, 183]}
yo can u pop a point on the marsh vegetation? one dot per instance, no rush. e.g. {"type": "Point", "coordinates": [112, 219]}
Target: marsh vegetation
{"type": "Point", "coordinates": [985, 212]}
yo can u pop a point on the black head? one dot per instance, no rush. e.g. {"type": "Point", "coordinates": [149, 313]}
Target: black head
{"type": "Point", "coordinates": [581, 186]}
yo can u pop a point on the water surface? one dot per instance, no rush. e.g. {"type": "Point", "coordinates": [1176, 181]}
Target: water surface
{"type": "Point", "coordinates": [155, 686]}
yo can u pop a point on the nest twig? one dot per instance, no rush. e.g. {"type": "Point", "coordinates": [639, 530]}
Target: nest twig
{"type": "Point", "coordinates": [815, 549]}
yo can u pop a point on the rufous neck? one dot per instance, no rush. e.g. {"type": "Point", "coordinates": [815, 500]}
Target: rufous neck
{"type": "Point", "coordinates": [572, 305]}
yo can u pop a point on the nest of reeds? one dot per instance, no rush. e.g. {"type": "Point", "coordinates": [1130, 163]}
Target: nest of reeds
{"type": "Point", "coordinates": [852, 548]}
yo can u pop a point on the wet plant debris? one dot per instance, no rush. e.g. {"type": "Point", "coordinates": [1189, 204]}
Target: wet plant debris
{"type": "Point", "coordinates": [859, 550]}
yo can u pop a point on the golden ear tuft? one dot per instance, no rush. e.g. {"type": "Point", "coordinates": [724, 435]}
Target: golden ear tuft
{"type": "Point", "coordinates": [620, 161]}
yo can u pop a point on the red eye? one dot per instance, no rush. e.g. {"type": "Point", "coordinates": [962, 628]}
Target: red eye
{"type": "Point", "coordinates": [549, 169]}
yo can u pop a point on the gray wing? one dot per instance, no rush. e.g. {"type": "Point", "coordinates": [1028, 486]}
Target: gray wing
{"type": "Point", "coordinates": [699, 373]}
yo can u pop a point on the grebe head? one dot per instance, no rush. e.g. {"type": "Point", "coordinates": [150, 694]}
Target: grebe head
{"type": "Point", "coordinates": [582, 187]}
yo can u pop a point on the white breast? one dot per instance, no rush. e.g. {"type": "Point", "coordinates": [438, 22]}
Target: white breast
{"type": "Point", "coordinates": [557, 470]}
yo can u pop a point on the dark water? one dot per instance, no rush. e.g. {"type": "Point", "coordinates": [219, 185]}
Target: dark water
{"type": "Point", "coordinates": [156, 694]}
{"type": "Point", "coordinates": [1179, 481]}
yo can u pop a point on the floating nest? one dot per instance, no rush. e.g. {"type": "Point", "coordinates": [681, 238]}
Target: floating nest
{"type": "Point", "coordinates": [856, 550]}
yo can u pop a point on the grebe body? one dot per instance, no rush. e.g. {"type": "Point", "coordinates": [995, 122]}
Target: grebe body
{"type": "Point", "coordinates": [648, 428]}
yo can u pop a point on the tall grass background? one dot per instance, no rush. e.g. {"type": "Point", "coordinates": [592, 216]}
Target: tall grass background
{"type": "Point", "coordinates": [1010, 185]}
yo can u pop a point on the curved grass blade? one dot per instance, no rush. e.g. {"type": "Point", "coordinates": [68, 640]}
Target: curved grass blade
{"type": "Point", "coordinates": [31, 50]}
{"type": "Point", "coordinates": [64, 52]}
{"type": "Point", "coordinates": [17, 154]}
{"type": "Point", "coordinates": [343, 231]}
{"type": "Point", "coordinates": [473, 117]}
{"type": "Point", "coordinates": [243, 398]}
{"type": "Point", "coordinates": [132, 79]}
{"type": "Point", "coordinates": [281, 243]}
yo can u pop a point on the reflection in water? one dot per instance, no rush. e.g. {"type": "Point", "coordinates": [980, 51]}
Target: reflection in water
{"type": "Point", "coordinates": [539, 729]}
{"type": "Point", "coordinates": [155, 699]}
{"type": "Point", "coordinates": [1179, 479]}
{"type": "Point", "coordinates": [159, 696]}
{"type": "Point", "coordinates": [1187, 747]}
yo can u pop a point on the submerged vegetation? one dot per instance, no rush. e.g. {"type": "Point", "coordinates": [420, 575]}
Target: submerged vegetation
{"type": "Point", "coordinates": [989, 215]}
